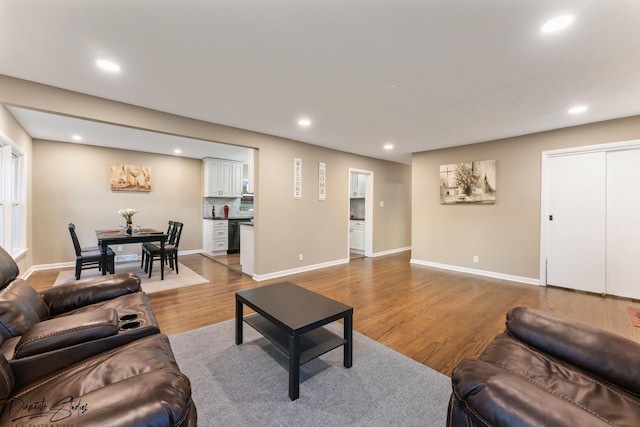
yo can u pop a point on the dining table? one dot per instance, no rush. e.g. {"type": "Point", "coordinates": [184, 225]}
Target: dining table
{"type": "Point", "coordinates": [121, 237]}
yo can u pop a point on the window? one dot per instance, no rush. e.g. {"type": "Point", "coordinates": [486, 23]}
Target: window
{"type": "Point", "coordinates": [12, 200]}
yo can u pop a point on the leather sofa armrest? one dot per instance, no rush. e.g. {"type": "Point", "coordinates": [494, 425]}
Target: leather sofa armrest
{"type": "Point", "coordinates": [67, 331]}
{"type": "Point", "coordinates": [602, 353]}
{"type": "Point", "coordinates": [80, 293]}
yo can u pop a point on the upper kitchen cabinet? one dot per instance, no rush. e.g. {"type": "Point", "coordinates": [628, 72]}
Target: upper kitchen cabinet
{"type": "Point", "coordinates": [358, 185]}
{"type": "Point", "coordinates": [222, 178]}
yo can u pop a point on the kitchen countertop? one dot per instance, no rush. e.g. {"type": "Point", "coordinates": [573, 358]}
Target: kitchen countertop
{"type": "Point", "coordinates": [248, 218]}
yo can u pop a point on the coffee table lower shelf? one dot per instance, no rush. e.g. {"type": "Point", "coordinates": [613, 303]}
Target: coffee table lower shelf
{"type": "Point", "coordinates": [312, 344]}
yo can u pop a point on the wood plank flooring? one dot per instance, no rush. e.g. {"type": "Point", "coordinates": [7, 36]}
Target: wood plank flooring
{"type": "Point", "coordinates": [433, 316]}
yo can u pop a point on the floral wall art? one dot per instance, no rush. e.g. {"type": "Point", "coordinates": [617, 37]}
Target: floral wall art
{"type": "Point", "coordinates": [468, 182]}
{"type": "Point", "coordinates": [130, 177]}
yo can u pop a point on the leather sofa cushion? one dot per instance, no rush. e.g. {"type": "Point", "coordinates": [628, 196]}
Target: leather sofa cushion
{"type": "Point", "coordinates": [512, 384]}
{"type": "Point", "coordinates": [29, 369]}
{"type": "Point", "coordinates": [67, 331]}
{"type": "Point", "coordinates": [21, 307]}
{"type": "Point", "coordinates": [133, 385]}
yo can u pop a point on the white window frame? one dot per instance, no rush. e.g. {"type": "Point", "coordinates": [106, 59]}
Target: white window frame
{"type": "Point", "coordinates": [12, 196]}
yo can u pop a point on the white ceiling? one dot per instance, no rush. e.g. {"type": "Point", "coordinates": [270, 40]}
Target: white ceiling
{"type": "Point", "coordinates": [464, 71]}
{"type": "Point", "coordinates": [62, 128]}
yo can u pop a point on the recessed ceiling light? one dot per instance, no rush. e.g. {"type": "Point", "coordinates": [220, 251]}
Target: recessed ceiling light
{"type": "Point", "coordinates": [177, 151]}
{"type": "Point", "coordinates": [388, 146]}
{"type": "Point", "coordinates": [105, 64]}
{"type": "Point", "coordinates": [76, 138]}
{"type": "Point", "coordinates": [556, 24]}
{"type": "Point", "coordinates": [577, 109]}
{"type": "Point", "coordinates": [304, 122]}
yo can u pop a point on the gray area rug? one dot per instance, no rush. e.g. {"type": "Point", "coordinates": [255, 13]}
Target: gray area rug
{"type": "Point", "coordinates": [247, 384]}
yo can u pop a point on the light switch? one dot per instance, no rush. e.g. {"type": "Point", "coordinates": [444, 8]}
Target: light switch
{"type": "Point", "coordinates": [382, 203]}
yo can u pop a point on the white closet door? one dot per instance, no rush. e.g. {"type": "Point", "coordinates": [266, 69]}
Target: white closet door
{"type": "Point", "coordinates": [623, 223]}
{"type": "Point", "coordinates": [576, 234]}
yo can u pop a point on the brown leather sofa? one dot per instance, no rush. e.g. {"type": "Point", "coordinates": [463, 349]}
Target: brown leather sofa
{"type": "Point", "coordinates": [91, 349]}
{"type": "Point", "coordinates": [548, 371]}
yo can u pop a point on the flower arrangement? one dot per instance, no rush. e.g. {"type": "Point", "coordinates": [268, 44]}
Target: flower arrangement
{"type": "Point", "coordinates": [127, 213]}
{"type": "Point", "coordinates": [466, 180]}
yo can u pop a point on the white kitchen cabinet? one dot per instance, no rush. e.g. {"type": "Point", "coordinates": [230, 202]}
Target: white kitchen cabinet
{"type": "Point", "coordinates": [358, 185]}
{"type": "Point", "coordinates": [220, 235]}
{"type": "Point", "coordinates": [356, 235]}
{"type": "Point", "coordinates": [222, 178]}
{"type": "Point", "coordinates": [215, 235]}
{"type": "Point", "coordinates": [207, 236]}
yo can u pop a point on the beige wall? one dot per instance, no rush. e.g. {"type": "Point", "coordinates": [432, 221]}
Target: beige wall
{"type": "Point", "coordinates": [13, 132]}
{"type": "Point", "coordinates": [505, 236]}
{"type": "Point", "coordinates": [284, 227]}
{"type": "Point", "coordinates": [320, 229]}
{"type": "Point", "coordinates": [71, 184]}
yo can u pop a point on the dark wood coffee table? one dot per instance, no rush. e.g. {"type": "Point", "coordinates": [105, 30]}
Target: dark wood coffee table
{"type": "Point", "coordinates": [291, 318]}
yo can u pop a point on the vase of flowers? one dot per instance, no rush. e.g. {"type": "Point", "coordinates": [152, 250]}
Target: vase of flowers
{"type": "Point", "coordinates": [127, 214]}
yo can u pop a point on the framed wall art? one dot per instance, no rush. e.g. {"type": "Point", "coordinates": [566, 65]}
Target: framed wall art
{"type": "Point", "coordinates": [322, 181]}
{"type": "Point", "coordinates": [130, 177]}
{"type": "Point", "coordinates": [297, 178]}
{"type": "Point", "coordinates": [468, 182]}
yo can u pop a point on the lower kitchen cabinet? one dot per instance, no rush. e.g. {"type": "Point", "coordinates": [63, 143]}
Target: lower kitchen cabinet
{"type": "Point", "coordinates": [356, 235]}
{"type": "Point", "coordinates": [216, 235]}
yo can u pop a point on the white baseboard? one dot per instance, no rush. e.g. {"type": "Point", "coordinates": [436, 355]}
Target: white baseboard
{"type": "Point", "coordinates": [392, 251]}
{"type": "Point", "coordinates": [521, 279]}
{"type": "Point", "coordinates": [276, 274]}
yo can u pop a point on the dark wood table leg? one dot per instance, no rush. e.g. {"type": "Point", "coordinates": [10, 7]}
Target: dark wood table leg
{"type": "Point", "coordinates": [238, 321]}
{"type": "Point", "coordinates": [348, 336]}
{"type": "Point", "coordinates": [294, 366]}
{"type": "Point", "coordinates": [104, 258]}
{"type": "Point", "coordinates": [162, 259]}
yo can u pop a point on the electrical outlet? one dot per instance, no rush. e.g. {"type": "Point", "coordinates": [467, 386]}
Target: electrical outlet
{"type": "Point", "coordinates": [119, 248]}
{"type": "Point", "coordinates": [475, 259]}
{"type": "Point", "coordinates": [301, 257]}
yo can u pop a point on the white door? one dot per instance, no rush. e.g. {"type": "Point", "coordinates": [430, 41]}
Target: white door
{"type": "Point", "coordinates": [576, 221]}
{"type": "Point", "coordinates": [623, 223]}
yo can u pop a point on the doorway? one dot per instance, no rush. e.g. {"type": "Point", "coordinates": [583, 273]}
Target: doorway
{"type": "Point", "coordinates": [360, 239]}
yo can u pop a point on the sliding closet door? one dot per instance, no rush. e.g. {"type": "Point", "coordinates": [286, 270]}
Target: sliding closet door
{"type": "Point", "coordinates": [576, 218]}
{"type": "Point", "coordinates": [623, 223]}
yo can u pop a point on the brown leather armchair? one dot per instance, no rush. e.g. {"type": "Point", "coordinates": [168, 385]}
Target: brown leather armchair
{"type": "Point", "coordinates": [45, 332]}
{"type": "Point", "coordinates": [87, 353]}
{"type": "Point", "coordinates": [548, 371]}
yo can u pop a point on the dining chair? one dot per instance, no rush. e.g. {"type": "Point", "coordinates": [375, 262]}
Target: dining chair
{"type": "Point", "coordinates": [153, 250]}
{"type": "Point", "coordinates": [170, 237]}
{"type": "Point", "coordinates": [90, 257]}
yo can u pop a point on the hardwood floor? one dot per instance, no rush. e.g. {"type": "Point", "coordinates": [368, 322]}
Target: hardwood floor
{"type": "Point", "coordinates": [433, 316]}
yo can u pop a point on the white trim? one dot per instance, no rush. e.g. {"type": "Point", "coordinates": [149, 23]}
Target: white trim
{"type": "Point", "coordinates": [392, 251]}
{"type": "Point", "coordinates": [544, 184]}
{"type": "Point", "coordinates": [521, 279]}
{"type": "Point", "coordinates": [277, 274]}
